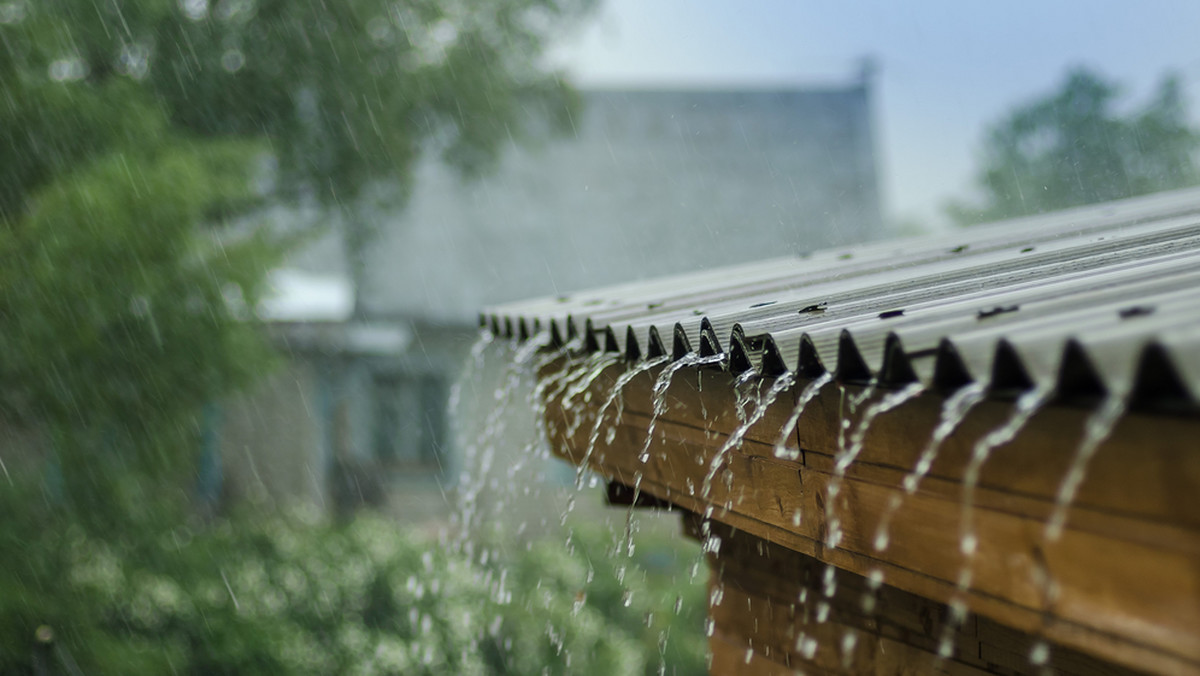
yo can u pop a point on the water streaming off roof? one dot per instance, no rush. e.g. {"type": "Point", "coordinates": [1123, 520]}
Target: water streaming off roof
{"type": "Point", "coordinates": [906, 475]}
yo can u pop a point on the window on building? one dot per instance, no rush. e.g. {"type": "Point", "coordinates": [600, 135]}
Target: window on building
{"type": "Point", "coordinates": [409, 420]}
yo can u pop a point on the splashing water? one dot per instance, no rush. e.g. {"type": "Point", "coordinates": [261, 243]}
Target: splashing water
{"type": "Point", "coordinates": [954, 410]}
{"type": "Point", "coordinates": [1098, 428]}
{"type": "Point", "coordinates": [781, 384]}
{"type": "Point", "coordinates": [808, 394]}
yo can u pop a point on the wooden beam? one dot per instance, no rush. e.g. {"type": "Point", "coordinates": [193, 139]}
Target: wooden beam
{"type": "Point", "coordinates": [1122, 583]}
{"type": "Point", "coordinates": [772, 613]}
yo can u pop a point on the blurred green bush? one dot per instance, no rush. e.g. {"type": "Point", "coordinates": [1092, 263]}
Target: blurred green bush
{"type": "Point", "coordinates": [279, 594]}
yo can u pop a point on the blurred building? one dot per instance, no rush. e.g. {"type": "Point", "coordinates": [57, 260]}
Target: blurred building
{"type": "Point", "coordinates": [649, 183]}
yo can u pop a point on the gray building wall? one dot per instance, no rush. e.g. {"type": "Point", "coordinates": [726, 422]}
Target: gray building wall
{"type": "Point", "coordinates": [651, 183]}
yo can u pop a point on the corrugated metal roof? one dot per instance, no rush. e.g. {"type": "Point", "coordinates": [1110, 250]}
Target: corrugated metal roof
{"type": "Point", "coordinates": [1091, 301]}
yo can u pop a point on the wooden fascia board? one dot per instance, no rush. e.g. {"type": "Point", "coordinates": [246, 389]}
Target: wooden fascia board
{"type": "Point", "coordinates": [1127, 566]}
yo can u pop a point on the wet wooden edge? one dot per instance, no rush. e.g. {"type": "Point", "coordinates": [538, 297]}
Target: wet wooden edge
{"type": "Point", "coordinates": [1127, 567]}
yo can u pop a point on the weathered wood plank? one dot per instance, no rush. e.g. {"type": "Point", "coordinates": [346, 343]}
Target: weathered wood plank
{"type": "Point", "coordinates": [771, 599]}
{"type": "Point", "coordinates": [1127, 568]}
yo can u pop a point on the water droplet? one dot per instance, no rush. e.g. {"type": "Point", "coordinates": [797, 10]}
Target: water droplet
{"type": "Point", "coordinates": [233, 60]}
{"type": "Point", "coordinates": [380, 30]}
{"type": "Point", "coordinates": [881, 541]}
{"type": "Point", "coordinates": [68, 69]}
{"type": "Point", "coordinates": [875, 579]}
{"type": "Point", "coordinates": [134, 61]}
{"type": "Point", "coordinates": [717, 595]}
{"type": "Point", "coordinates": [12, 12]}
{"type": "Point", "coordinates": [807, 647]}
{"type": "Point", "coordinates": [849, 641]}
{"type": "Point", "coordinates": [829, 581]}
{"type": "Point", "coordinates": [1039, 654]}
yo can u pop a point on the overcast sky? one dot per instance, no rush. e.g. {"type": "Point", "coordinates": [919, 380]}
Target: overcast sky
{"type": "Point", "coordinates": [947, 67]}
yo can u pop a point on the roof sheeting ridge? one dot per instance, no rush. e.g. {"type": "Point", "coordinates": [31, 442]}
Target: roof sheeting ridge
{"type": "Point", "coordinates": [1086, 302]}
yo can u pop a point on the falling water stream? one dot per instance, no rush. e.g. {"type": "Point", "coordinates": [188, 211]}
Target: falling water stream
{"type": "Point", "coordinates": [473, 365]}
{"type": "Point", "coordinates": [809, 393]}
{"type": "Point", "coordinates": [659, 393]}
{"type": "Point", "coordinates": [853, 447]}
{"type": "Point", "coordinates": [1026, 406]}
{"type": "Point", "coordinates": [480, 452]}
{"type": "Point", "coordinates": [1098, 428]}
{"type": "Point", "coordinates": [954, 409]}
{"type": "Point", "coordinates": [566, 378]}
{"type": "Point", "coordinates": [659, 407]}
{"type": "Point", "coordinates": [592, 368]}
{"type": "Point", "coordinates": [573, 383]}
{"type": "Point", "coordinates": [849, 450]}
{"type": "Point", "coordinates": [1096, 431]}
{"type": "Point", "coordinates": [781, 384]}
{"type": "Point", "coordinates": [618, 387]}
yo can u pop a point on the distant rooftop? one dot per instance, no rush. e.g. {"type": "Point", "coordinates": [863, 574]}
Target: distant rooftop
{"type": "Point", "coordinates": [651, 183]}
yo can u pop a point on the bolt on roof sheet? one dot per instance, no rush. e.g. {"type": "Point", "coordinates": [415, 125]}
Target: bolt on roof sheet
{"type": "Point", "coordinates": [1093, 301]}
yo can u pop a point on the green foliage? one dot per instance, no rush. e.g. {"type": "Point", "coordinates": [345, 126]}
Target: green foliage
{"type": "Point", "coordinates": [346, 92]}
{"type": "Point", "coordinates": [652, 604]}
{"type": "Point", "coordinates": [132, 136]}
{"type": "Point", "coordinates": [1075, 147]}
{"type": "Point", "coordinates": [275, 595]}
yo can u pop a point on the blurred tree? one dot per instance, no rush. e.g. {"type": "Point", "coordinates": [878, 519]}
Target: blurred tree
{"type": "Point", "coordinates": [346, 94]}
{"type": "Point", "coordinates": [1074, 147]}
{"type": "Point", "coordinates": [133, 133]}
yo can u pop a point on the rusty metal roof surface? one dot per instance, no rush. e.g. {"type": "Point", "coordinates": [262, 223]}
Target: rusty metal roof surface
{"type": "Point", "coordinates": [1097, 300]}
